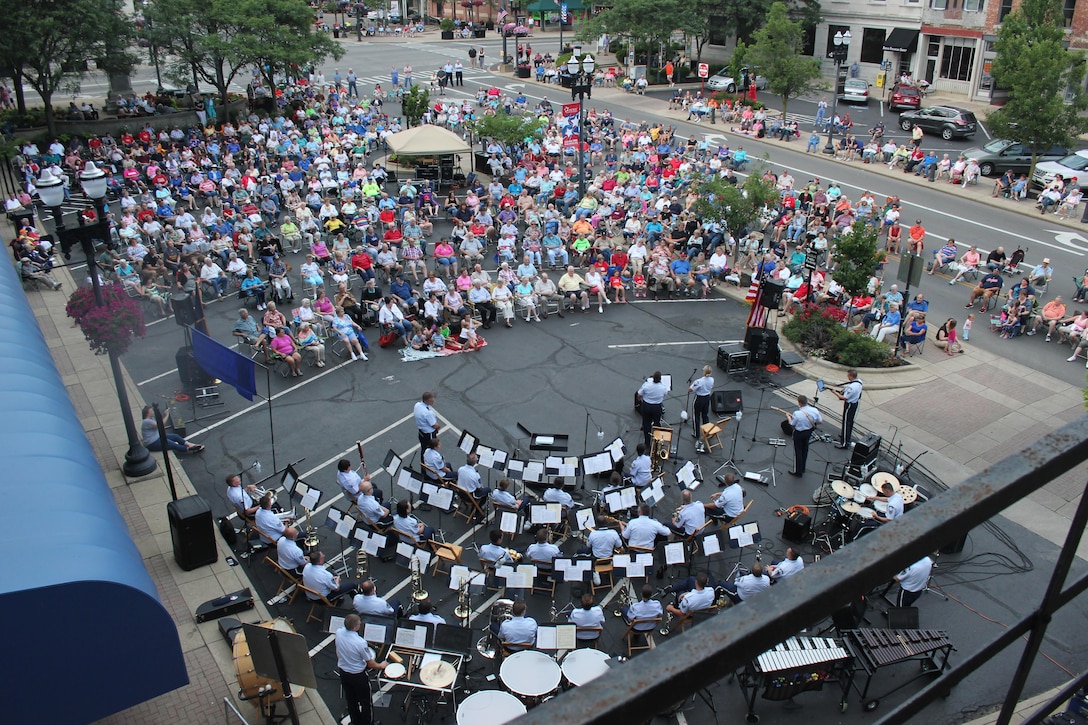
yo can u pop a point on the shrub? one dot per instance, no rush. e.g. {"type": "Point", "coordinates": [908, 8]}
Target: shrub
{"type": "Point", "coordinates": [819, 331]}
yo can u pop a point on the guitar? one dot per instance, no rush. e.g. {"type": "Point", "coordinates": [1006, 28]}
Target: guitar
{"type": "Point", "coordinates": [787, 424]}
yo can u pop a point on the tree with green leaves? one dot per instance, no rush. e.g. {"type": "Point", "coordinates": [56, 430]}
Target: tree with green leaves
{"type": "Point", "coordinates": [776, 52]}
{"type": "Point", "coordinates": [736, 207]}
{"type": "Point", "coordinates": [415, 103]}
{"type": "Point", "coordinates": [1045, 81]}
{"type": "Point", "coordinates": [47, 44]}
{"type": "Point", "coordinates": [857, 255]}
{"type": "Point", "coordinates": [508, 130]}
{"type": "Point", "coordinates": [649, 21]}
{"type": "Point", "coordinates": [281, 38]}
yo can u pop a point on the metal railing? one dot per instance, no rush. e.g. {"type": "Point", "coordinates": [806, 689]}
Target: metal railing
{"type": "Point", "coordinates": [726, 643]}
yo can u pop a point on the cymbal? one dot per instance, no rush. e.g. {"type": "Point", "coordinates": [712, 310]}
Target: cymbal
{"type": "Point", "coordinates": [851, 507]}
{"type": "Point", "coordinates": [437, 674]}
{"type": "Point", "coordinates": [842, 488]}
{"type": "Point", "coordinates": [882, 477]}
{"type": "Point", "coordinates": [909, 493]}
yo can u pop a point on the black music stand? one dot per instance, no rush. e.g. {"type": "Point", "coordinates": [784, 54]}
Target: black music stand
{"type": "Point", "coordinates": [283, 657]}
{"type": "Point", "coordinates": [736, 533]}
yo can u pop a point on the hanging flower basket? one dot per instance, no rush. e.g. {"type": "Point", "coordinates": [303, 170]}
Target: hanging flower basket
{"type": "Point", "coordinates": [109, 328]}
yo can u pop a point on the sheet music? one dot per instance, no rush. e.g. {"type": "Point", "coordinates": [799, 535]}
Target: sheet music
{"type": "Point", "coordinates": [614, 500]}
{"type": "Point", "coordinates": [414, 637]}
{"type": "Point", "coordinates": [545, 513]}
{"type": "Point", "coordinates": [343, 529]}
{"type": "Point", "coordinates": [666, 379]}
{"type": "Point", "coordinates": [585, 519]}
{"type": "Point", "coordinates": [458, 574]}
{"type": "Point", "coordinates": [508, 524]}
{"type": "Point", "coordinates": [751, 529]}
{"type": "Point", "coordinates": [711, 545]}
{"type": "Point", "coordinates": [686, 474]}
{"type": "Point", "coordinates": [428, 658]}
{"type": "Point", "coordinates": [335, 623]}
{"type": "Point", "coordinates": [501, 458]}
{"type": "Point", "coordinates": [424, 557]}
{"type": "Point", "coordinates": [736, 531]}
{"type": "Point", "coordinates": [644, 559]}
{"type": "Point", "coordinates": [617, 450]}
{"type": "Point", "coordinates": [429, 489]}
{"type": "Point", "coordinates": [534, 471]}
{"type": "Point", "coordinates": [290, 479]}
{"type": "Point", "coordinates": [442, 498]}
{"type": "Point", "coordinates": [374, 632]}
{"type": "Point", "coordinates": [627, 497]}
{"type": "Point", "coordinates": [561, 564]}
{"type": "Point", "coordinates": [517, 578]}
{"type": "Point", "coordinates": [578, 570]}
{"type": "Point", "coordinates": [674, 553]}
{"type": "Point", "coordinates": [551, 465]}
{"type": "Point", "coordinates": [468, 442]}
{"type": "Point", "coordinates": [597, 463]}
{"type": "Point", "coordinates": [515, 467]}
{"type": "Point", "coordinates": [487, 456]}
{"type": "Point", "coordinates": [653, 493]}
{"type": "Point", "coordinates": [334, 517]}
{"type": "Point", "coordinates": [405, 550]}
{"type": "Point", "coordinates": [374, 544]}
{"type": "Point", "coordinates": [409, 482]}
{"type": "Point", "coordinates": [547, 638]}
{"type": "Point", "coordinates": [566, 636]}
{"type": "Point", "coordinates": [630, 564]}
{"type": "Point", "coordinates": [309, 501]}
{"type": "Point", "coordinates": [360, 534]}
{"type": "Point", "coordinates": [744, 539]}
{"type": "Point", "coordinates": [393, 463]}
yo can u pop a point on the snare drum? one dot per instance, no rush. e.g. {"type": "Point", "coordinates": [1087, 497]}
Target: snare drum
{"type": "Point", "coordinates": [881, 507]}
{"type": "Point", "coordinates": [868, 490]}
{"type": "Point", "coordinates": [861, 527]}
{"type": "Point", "coordinates": [249, 682]}
{"type": "Point", "coordinates": [865, 513]}
{"type": "Point", "coordinates": [489, 707]}
{"type": "Point", "coordinates": [584, 665]}
{"type": "Point", "coordinates": [530, 675]}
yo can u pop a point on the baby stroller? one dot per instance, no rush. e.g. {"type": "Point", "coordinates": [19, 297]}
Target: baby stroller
{"type": "Point", "coordinates": [1012, 264]}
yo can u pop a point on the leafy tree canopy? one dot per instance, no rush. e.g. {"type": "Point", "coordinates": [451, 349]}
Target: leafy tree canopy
{"type": "Point", "coordinates": [776, 52]}
{"type": "Point", "coordinates": [856, 257]}
{"type": "Point", "coordinates": [507, 130]}
{"type": "Point", "coordinates": [737, 207]}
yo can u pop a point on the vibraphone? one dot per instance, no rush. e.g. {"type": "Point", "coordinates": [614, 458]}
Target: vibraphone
{"type": "Point", "coordinates": [800, 664]}
{"type": "Point", "coordinates": [872, 649]}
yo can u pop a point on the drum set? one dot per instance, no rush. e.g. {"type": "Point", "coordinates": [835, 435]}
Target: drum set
{"type": "Point", "coordinates": [853, 513]}
{"type": "Point", "coordinates": [252, 686]}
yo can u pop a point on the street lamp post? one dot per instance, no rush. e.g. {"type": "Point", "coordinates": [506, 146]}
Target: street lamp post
{"type": "Point", "coordinates": [838, 54]}
{"type": "Point", "coordinates": [581, 87]}
{"type": "Point", "coordinates": [138, 462]}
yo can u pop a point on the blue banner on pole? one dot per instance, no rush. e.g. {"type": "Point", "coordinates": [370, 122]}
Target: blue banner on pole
{"type": "Point", "coordinates": [228, 365]}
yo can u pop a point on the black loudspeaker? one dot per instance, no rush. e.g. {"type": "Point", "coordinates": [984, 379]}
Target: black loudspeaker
{"type": "Point", "coordinates": [192, 532]}
{"type": "Point", "coordinates": [189, 370]}
{"type": "Point", "coordinates": [903, 618]}
{"type": "Point", "coordinates": [763, 344]}
{"type": "Point", "coordinates": [726, 401]}
{"type": "Point", "coordinates": [955, 547]}
{"type": "Point", "coordinates": [797, 528]}
{"type": "Point", "coordinates": [866, 449]}
{"type": "Point", "coordinates": [772, 293]}
{"type": "Point", "coordinates": [184, 311]}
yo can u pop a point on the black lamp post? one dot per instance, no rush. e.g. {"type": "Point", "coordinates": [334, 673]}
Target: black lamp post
{"type": "Point", "coordinates": [138, 462]}
{"type": "Point", "coordinates": [838, 54]}
{"type": "Point", "coordinates": [581, 87]}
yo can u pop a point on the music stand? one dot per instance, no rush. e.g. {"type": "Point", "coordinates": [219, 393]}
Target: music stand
{"type": "Point", "coordinates": [283, 657]}
{"type": "Point", "coordinates": [732, 461]}
{"type": "Point", "coordinates": [740, 536]}
{"type": "Point", "coordinates": [775, 444]}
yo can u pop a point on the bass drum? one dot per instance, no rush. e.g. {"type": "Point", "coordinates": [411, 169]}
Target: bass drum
{"type": "Point", "coordinates": [249, 682]}
{"type": "Point", "coordinates": [861, 527]}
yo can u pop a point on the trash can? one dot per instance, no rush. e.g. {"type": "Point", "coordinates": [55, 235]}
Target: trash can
{"type": "Point", "coordinates": [336, 31]}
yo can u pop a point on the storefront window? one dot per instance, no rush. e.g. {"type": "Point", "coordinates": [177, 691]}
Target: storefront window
{"type": "Point", "coordinates": [957, 59]}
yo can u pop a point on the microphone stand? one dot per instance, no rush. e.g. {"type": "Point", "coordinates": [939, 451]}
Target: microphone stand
{"type": "Point", "coordinates": [690, 409]}
{"type": "Point", "coordinates": [755, 428]}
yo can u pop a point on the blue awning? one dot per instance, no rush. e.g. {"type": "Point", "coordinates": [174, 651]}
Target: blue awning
{"type": "Point", "coordinates": [85, 634]}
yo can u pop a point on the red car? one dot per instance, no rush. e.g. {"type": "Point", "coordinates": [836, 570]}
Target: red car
{"type": "Point", "coordinates": [903, 96]}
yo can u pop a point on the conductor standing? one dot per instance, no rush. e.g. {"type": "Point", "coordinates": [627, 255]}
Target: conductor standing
{"type": "Point", "coordinates": [850, 397]}
{"type": "Point", "coordinates": [651, 396]}
{"type": "Point", "coordinates": [426, 420]}
{"type": "Point", "coordinates": [702, 388]}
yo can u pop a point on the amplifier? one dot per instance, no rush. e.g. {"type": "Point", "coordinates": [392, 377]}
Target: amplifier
{"type": "Point", "coordinates": [797, 528]}
{"type": "Point", "coordinates": [238, 601]}
{"type": "Point", "coordinates": [866, 449]}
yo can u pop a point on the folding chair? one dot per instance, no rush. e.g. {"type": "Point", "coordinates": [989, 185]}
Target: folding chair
{"type": "Point", "coordinates": [544, 581]}
{"type": "Point", "coordinates": [591, 642]}
{"type": "Point", "coordinates": [711, 434]}
{"type": "Point", "coordinates": [648, 634]}
{"type": "Point", "coordinates": [697, 615]}
{"type": "Point", "coordinates": [316, 600]}
{"type": "Point", "coordinates": [468, 506]}
{"type": "Point", "coordinates": [446, 553]}
{"type": "Point", "coordinates": [727, 522]}
{"type": "Point", "coordinates": [601, 567]}
{"type": "Point", "coordinates": [287, 579]}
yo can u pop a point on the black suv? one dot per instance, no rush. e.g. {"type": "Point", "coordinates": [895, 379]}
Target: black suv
{"type": "Point", "coordinates": [947, 121]}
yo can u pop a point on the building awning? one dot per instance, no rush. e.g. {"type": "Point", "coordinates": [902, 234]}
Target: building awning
{"type": "Point", "coordinates": [902, 40]}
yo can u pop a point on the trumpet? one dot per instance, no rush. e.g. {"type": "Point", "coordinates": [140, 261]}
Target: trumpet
{"type": "Point", "coordinates": [418, 592]}
{"type": "Point", "coordinates": [515, 555]}
{"type": "Point", "coordinates": [362, 564]}
{"type": "Point", "coordinates": [676, 513]}
{"type": "Point", "coordinates": [463, 610]}
{"type": "Point", "coordinates": [664, 631]}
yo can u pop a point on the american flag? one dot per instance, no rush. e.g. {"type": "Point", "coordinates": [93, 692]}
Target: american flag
{"type": "Point", "coordinates": [502, 13]}
{"type": "Point", "coordinates": [758, 316]}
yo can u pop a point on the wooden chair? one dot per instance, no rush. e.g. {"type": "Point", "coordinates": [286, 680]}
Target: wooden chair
{"type": "Point", "coordinates": [696, 616]}
{"type": "Point", "coordinates": [468, 507]}
{"type": "Point", "coordinates": [508, 648]}
{"type": "Point", "coordinates": [544, 581]}
{"type": "Point", "coordinates": [373, 525]}
{"type": "Point", "coordinates": [726, 523]}
{"type": "Point", "coordinates": [590, 643]}
{"type": "Point", "coordinates": [287, 578]}
{"type": "Point", "coordinates": [446, 553]}
{"type": "Point", "coordinates": [711, 434]}
{"type": "Point", "coordinates": [632, 633]}
{"type": "Point", "coordinates": [491, 578]}
{"type": "Point", "coordinates": [601, 567]}
{"type": "Point", "coordinates": [316, 600]}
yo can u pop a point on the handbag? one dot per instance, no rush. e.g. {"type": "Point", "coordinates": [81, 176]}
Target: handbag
{"type": "Point", "coordinates": [386, 339]}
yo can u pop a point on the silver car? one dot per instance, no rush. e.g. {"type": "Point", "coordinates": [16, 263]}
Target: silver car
{"type": "Point", "coordinates": [723, 80]}
{"type": "Point", "coordinates": [855, 90]}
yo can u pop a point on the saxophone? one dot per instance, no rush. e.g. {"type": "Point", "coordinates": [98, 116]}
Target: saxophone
{"type": "Point", "coordinates": [418, 592]}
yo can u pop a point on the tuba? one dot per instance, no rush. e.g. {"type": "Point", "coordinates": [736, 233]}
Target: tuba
{"type": "Point", "coordinates": [418, 592]}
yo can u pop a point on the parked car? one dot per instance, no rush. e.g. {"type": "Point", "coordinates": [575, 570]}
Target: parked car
{"type": "Point", "coordinates": [904, 96]}
{"type": "Point", "coordinates": [723, 80]}
{"type": "Point", "coordinates": [946, 121]}
{"type": "Point", "coordinates": [855, 90]}
{"type": "Point", "coordinates": [1075, 164]}
{"type": "Point", "coordinates": [1002, 154]}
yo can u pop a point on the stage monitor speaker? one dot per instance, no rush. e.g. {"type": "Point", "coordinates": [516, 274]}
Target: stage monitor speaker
{"type": "Point", "coordinates": [772, 294]}
{"type": "Point", "coordinates": [189, 370]}
{"type": "Point", "coordinates": [192, 532]}
{"type": "Point", "coordinates": [797, 529]}
{"type": "Point", "coordinates": [955, 547]}
{"type": "Point", "coordinates": [866, 449]}
{"type": "Point", "coordinates": [727, 401]}
{"type": "Point", "coordinates": [763, 344]}
{"type": "Point", "coordinates": [903, 618]}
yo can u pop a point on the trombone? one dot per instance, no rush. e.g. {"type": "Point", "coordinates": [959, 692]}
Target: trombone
{"type": "Point", "coordinates": [312, 540]}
